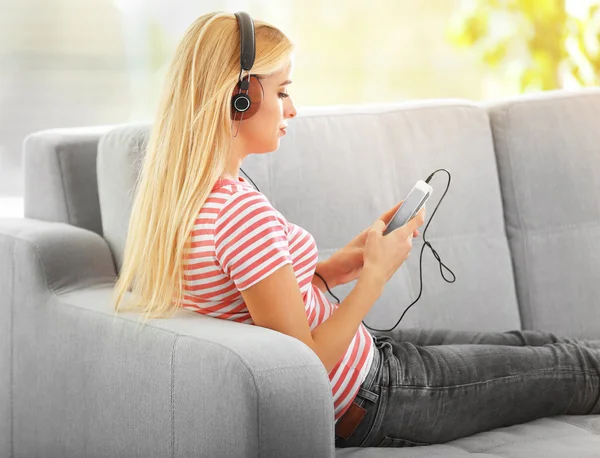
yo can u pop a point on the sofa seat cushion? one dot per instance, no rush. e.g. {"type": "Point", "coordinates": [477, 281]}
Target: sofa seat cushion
{"type": "Point", "coordinates": [558, 437]}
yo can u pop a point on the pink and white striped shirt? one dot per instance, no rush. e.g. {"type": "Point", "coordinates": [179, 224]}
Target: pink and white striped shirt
{"type": "Point", "coordinates": [239, 239]}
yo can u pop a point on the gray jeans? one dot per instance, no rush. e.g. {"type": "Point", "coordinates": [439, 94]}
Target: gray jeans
{"type": "Point", "coordinates": [433, 386]}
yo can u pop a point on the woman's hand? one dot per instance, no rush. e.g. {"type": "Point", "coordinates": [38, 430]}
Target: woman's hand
{"type": "Point", "coordinates": [346, 264]}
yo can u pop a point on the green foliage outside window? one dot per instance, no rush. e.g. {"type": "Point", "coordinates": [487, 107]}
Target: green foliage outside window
{"type": "Point", "coordinates": [555, 44]}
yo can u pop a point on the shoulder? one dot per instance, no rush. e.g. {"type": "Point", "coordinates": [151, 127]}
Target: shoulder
{"type": "Point", "coordinates": [244, 203]}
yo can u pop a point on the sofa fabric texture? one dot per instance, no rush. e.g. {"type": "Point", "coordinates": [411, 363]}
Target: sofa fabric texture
{"type": "Point", "coordinates": [519, 228]}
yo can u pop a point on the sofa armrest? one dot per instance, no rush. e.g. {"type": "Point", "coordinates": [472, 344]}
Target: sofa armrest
{"type": "Point", "coordinates": [38, 259]}
{"type": "Point", "coordinates": [68, 257]}
{"type": "Point", "coordinates": [60, 182]}
{"type": "Point", "coordinates": [85, 381]}
{"type": "Point", "coordinates": [262, 385]}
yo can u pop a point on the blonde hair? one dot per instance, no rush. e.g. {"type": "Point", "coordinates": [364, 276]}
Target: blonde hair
{"type": "Point", "coordinates": [187, 151]}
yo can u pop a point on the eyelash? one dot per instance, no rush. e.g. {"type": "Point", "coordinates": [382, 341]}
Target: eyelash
{"type": "Point", "coordinates": [283, 95]}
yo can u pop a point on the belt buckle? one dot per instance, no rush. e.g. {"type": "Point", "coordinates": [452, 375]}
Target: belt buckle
{"type": "Point", "coordinates": [346, 425]}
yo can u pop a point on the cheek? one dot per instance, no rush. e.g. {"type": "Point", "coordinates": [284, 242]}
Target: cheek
{"type": "Point", "coordinates": [261, 131]}
{"type": "Point", "coordinates": [268, 118]}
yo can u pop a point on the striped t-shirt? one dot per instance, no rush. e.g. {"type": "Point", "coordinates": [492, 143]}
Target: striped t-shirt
{"type": "Point", "coordinates": [239, 239]}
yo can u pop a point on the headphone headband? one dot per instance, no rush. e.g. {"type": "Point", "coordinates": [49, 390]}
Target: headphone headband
{"type": "Point", "coordinates": [248, 98]}
{"type": "Point", "coordinates": [247, 44]}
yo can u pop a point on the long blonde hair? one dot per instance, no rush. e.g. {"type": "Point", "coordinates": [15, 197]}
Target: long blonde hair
{"type": "Point", "coordinates": [187, 151]}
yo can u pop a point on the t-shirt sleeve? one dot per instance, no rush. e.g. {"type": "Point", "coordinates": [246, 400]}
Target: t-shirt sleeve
{"type": "Point", "coordinates": [250, 239]}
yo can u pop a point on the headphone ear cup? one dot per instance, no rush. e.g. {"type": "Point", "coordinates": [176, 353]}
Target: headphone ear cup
{"type": "Point", "coordinates": [241, 103]}
{"type": "Point", "coordinates": [255, 95]}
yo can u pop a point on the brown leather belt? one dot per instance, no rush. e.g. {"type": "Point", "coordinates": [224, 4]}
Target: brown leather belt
{"type": "Point", "coordinates": [346, 425]}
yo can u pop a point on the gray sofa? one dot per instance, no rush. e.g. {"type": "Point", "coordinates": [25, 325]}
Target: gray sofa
{"type": "Point", "coordinates": [519, 227]}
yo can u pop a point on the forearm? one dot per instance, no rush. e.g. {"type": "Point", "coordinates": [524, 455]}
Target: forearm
{"type": "Point", "coordinates": [333, 336]}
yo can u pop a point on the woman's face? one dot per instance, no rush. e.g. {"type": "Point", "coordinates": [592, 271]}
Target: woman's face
{"type": "Point", "coordinates": [261, 133]}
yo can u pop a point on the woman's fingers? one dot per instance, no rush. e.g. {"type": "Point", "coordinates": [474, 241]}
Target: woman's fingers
{"type": "Point", "coordinates": [387, 216]}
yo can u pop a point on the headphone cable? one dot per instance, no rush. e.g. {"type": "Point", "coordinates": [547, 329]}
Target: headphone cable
{"type": "Point", "coordinates": [425, 243]}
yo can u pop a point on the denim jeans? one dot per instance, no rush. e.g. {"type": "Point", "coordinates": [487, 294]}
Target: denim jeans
{"type": "Point", "coordinates": [433, 386]}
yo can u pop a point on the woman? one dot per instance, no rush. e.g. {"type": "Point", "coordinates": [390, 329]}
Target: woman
{"type": "Point", "coordinates": [202, 238]}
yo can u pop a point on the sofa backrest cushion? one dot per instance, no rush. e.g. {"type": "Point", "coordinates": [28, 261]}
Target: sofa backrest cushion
{"type": "Point", "coordinates": [339, 168]}
{"type": "Point", "coordinates": [548, 152]}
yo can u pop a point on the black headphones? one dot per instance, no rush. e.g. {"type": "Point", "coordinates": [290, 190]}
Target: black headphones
{"type": "Point", "coordinates": [241, 102]}
{"type": "Point", "coordinates": [244, 102]}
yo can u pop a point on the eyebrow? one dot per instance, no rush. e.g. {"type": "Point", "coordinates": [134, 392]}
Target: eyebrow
{"type": "Point", "coordinates": [286, 82]}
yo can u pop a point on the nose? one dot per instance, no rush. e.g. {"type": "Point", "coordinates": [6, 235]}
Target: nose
{"type": "Point", "coordinates": [290, 109]}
